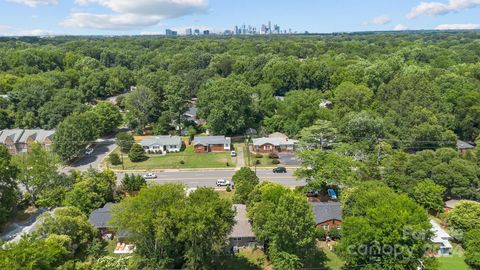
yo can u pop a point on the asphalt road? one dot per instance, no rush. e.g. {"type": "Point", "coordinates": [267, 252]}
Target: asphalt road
{"type": "Point", "coordinates": [209, 178]}
{"type": "Point", "coordinates": [102, 148]}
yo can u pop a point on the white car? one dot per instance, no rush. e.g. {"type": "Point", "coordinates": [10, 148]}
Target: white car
{"type": "Point", "coordinates": [150, 176]}
{"type": "Point", "coordinates": [223, 183]}
{"type": "Point", "coordinates": [233, 154]}
{"type": "Point", "coordinates": [89, 151]}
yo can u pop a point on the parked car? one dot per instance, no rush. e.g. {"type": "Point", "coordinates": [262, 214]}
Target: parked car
{"type": "Point", "coordinates": [150, 176]}
{"type": "Point", "coordinates": [312, 193]}
{"type": "Point", "coordinates": [280, 170]}
{"type": "Point", "coordinates": [233, 154]}
{"type": "Point", "coordinates": [223, 183]}
{"type": "Point", "coordinates": [89, 151]}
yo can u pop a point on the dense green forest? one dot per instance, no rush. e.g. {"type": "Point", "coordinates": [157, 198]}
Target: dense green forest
{"type": "Point", "coordinates": [415, 90]}
{"type": "Point", "coordinates": [387, 107]}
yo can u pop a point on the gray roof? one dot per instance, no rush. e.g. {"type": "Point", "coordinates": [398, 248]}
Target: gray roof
{"type": "Point", "coordinates": [192, 111]}
{"type": "Point", "coordinates": [242, 227]}
{"type": "Point", "coordinates": [14, 134]}
{"type": "Point", "coordinates": [276, 141]}
{"type": "Point", "coordinates": [209, 140]}
{"type": "Point", "coordinates": [101, 216]}
{"type": "Point", "coordinates": [162, 140]}
{"type": "Point", "coordinates": [21, 136]}
{"type": "Point", "coordinates": [325, 211]}
{"type": "Point", "coordinates": [464, 145]}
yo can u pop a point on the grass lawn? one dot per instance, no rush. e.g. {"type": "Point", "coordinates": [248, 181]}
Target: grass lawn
{"type": "Point", "coordinates": [226, 195]}
{"type": "Point", "coordinates": [333, 262]}
{"type": "Point", "coordinates": [173, 161]}
{"type": "Point", "coordinates": [246, 259]}
{"type": "Point", "coordinates": [456, 261]}
{"type": "Point", "coordinates": [265, 161]}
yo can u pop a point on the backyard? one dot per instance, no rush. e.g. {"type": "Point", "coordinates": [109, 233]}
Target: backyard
{"type": "Point", "coordinates": [183, 160]}
{"type": "Point", "coordinates": [456, 261]}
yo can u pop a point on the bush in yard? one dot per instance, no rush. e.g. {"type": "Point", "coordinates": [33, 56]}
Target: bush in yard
{"type": "Point", "coordinates": [114, 159]}
{"type": "Point", "coordinates": [320, 234]}
{"type": "Point", "coordinates": [275, 161]}
{"type": "Point", "coordinates": [273, 156]}
{"type": "Point", "coordinates": [258, 155]}
{"type": "Point", "coordinates": [228, 189]}
{"type": "Point", "coordinates": [257, 162]}
{"type": "Point", "coordinates": [182, 162]}
{"type": "Point", "coordinates": [334, 234]}
{"type": "Point", "coordinates": [137, 154]}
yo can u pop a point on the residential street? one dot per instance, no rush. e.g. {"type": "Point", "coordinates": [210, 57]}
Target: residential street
{"type": "Point", "coordinates": [209, 178]}
{"type": "Point", "coordinates": [102, 149]}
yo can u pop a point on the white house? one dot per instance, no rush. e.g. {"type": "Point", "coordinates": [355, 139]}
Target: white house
{"type": "Point", "coordinates": [162, 144]}
{"type": "Point", "coordinates": [441, 238]}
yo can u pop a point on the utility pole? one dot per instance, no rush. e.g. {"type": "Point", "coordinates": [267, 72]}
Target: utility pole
{"type": "Point", "coordinates": [123, 166]}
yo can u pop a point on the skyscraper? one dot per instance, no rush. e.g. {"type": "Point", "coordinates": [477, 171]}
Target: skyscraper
{"type": "Point", "coordinates": [188, 32]}
{"type": "Point", "coordinates": [197, 32]}
{"type": "Point", "coordinates": [170, 32]}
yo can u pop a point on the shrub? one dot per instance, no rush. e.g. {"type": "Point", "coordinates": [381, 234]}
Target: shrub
{"type": "Point", "coordinates": [114, 159]}
{"type": "Point", "coordinates": [334, 234]}
{"type": "Point", "coordinates": [182, 162]}
{"type": "Point", "coordinates": [273, 156]}
{"type": "Point", "coordinates": [275, 161]}
{"type": "Point", "coordinates": [228, 189]}
{"type": "Point", "coordinates": [257, 162]}
{"type": "Point", "coordinates": [320, 234]}
{"type": "Point", "coordinates": [228, 164]}
{"type": "Point", "coordinates": [258, 155]}
{"type": "Point", "coordinates": [137, 153]}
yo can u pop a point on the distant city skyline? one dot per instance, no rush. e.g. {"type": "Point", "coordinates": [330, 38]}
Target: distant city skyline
{"type": "Point", "coordinates": [126, 17]}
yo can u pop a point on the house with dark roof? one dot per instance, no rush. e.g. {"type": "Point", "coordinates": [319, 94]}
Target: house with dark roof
{"type": "Point", "coordinates": [162, 144]}
{"type": "Point", "coordinates": [328, 215]}
{"type": "Point", "coordinates": [101, 217]}
{"type": "Point", "coordinates": [204, 144]}
{"type": "Point", "coordinates": [241, 234]}
{"type": "Point", "coordinates": [464, 147]}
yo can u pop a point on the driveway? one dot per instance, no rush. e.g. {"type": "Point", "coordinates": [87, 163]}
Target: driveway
{"type": "Point", "coordinates": [289, 159]}
{"type": "Point", "coordinates": [102, 148]}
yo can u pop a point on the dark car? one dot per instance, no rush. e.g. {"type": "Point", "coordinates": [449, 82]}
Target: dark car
{"type": "Point", "coordinates": [313, 193]}
{"type": "Point", "coordinates": [280, 170]}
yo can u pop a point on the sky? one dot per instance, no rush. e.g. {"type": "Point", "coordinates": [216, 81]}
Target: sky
{"type": "Point", "coordinates": [133, 17]}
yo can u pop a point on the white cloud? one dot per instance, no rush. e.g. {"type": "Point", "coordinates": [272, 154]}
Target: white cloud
{"type": "Point", "coordinates": [110, 22]}
{"type": "Point", "coordinates": [6, 30]}
{"type": "Point", "coordinates": [400, 27]}
{"type": "Point", "coordinates": [163, 8]}
{"type": "Point", "coordinates": [437, 8]}
{"type": "Point", "coordinates": [467, 26]}
{"type": "Point", "coordinates": [381, 20]}
{"type": "Point", "coordinates": [130, 14]}
{"type": "Point", "coordinates": [34, 3]}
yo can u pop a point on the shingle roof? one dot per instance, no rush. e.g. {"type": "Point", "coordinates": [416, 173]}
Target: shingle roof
{"type": "Point", "coordinates": [464, 145]}
{"type": "Point", "coordinates": [242, 227]}
{"type": "Point", "coordinates": [101, 216]}
{"type": "Point", "coordinates": [325, 211]}
{"type": "Point", "coordinates": [278, 135]}
{"type": "Point", "coordinates": [209, 140]}
{"type": "Point", "coordinates": [14, 134]}
{"type": "Point", "coordinates": [276, 141]}
{"type": "Point", "coordinates": [162, 140]}
{"type": "Point", "coordinates": [43, 134]}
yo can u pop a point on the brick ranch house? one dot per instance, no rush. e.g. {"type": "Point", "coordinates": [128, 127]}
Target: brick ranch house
{"type": "Point", "coordinates": [19, 140]}
{"type": "Point", "coordinates": [276, 142]}
{"type": "Point", "coordinates": [328, 215]}
{"type": "Point", "coordinates": [205, 144]}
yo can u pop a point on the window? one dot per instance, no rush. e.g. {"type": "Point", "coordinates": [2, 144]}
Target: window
{"type": "Point", "coordinates": [326, 227]}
